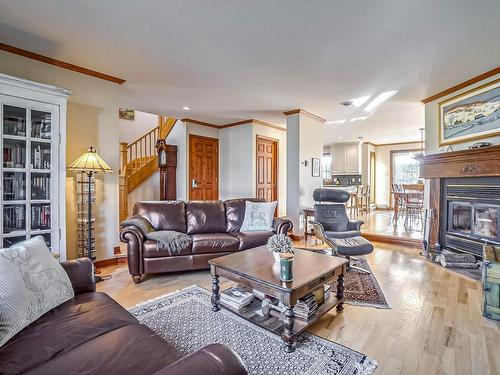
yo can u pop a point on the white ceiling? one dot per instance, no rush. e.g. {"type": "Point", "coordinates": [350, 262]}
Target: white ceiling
{"type": "Point", "coordinates": [237, 59]}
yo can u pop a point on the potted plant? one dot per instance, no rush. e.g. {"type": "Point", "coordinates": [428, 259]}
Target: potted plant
{"type": "Point", "coordinates": [279, 243]}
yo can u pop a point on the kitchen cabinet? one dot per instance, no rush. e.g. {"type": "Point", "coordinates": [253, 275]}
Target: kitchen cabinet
{"type": "Point", "coordinates": [345, 158]}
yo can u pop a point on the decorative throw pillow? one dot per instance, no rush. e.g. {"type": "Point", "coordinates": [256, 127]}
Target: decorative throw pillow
{"type": "Point", "coordinates": [258, 216]}
{"type": "Point", "coordinates": [32, 283]}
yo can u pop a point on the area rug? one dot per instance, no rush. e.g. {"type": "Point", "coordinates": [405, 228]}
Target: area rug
{"type": "Point", "coordinates": [186, 320]}
{"type": "Point", "coordinates": [360, 288]}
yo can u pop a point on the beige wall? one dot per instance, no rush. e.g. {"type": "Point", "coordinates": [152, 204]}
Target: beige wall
{"type": "Point", "coordinates": [92, 119]}
{"type": "Point", "coordinates": [302, 144]}
{"type": "Point", "coordinates": [131, 130]}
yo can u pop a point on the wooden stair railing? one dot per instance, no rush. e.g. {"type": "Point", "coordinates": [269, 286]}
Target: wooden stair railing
{"type": "Point", "coordinates": [138, 160]}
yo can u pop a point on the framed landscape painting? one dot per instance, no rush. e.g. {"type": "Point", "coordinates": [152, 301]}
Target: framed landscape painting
{"type": "Point", "coordinates": [471, 115]}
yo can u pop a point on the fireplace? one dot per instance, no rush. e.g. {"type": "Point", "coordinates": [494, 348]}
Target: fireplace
{"type": "Point", "coordinates": [463, 201]}
{"type": "Point", "coordinates": [469, 213]}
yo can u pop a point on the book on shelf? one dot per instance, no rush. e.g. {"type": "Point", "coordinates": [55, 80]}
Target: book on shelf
{"type": "Point", "coordinates": [328, 290]}
{"type": "Point", "coordinates": [237, 297]}
{"type": "Point", "coordinates": [305, 307]}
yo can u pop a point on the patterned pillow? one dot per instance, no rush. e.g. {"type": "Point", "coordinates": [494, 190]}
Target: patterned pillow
{"type": "Point", "coordinates": [32, 283]}
{"type": "Point", "coordinates": [258, 216]}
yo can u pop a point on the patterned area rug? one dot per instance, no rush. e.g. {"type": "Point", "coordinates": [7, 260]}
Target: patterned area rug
{"type": "Point", "coordinates": [361, 289]}
{"type": "Point", "coordinates": [185, 319]}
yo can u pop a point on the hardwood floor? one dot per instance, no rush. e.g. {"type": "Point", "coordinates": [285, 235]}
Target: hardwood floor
{"type": "Point", "coordinates": [381, 222]}
{"type": "Point", "coordinates": [434, 327]}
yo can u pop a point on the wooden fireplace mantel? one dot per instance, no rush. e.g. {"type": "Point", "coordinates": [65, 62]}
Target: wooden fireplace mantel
{"type": "Point", "coordinates": [479, 162]}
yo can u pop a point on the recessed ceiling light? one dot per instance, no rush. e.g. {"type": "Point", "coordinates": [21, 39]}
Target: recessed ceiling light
{"type": "Point", "coordinates": [358, 102]}
{"type": "Point", "coordinates": [358, 118]}
{"type": "Point", "coordinates": [379, 100]}
{"type": "Point", "coordinates": [336, 122]}
{"type": "Point", "coordinates": [340, 137]}
{"type": "Point", "coordinates": [186, 108]}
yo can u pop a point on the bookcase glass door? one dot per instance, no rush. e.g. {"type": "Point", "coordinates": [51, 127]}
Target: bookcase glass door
{"type": "Point", "coordinates": [28, 167]}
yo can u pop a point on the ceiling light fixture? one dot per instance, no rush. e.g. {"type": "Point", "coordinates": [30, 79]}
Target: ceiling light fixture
{"type": "Point", "coordinates": [379, 100]}
{"type": "Point", "coordinates": [358, 102]}
{"type": "Point", "coordinates": [358, 118]}
{"type": "Point", "coordinates": [186, 108]}
{"type": "Point", "coordinates": [336, 122]}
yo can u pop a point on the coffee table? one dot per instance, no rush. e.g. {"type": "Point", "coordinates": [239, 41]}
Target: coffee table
{"type": "Point", "coordinates": [256, 269]}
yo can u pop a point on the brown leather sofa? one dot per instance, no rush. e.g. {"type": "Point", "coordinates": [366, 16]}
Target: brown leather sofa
{"type": "Point", "coordinates": [92, 334]}
{"type": "Point", "coordinates": [214, 227]}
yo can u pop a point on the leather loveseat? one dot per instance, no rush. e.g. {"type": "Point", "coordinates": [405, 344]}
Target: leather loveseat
{"type": "Point", "coordinates": [214, 227]}
{"type": "Point", "coordinates": [92, 334]}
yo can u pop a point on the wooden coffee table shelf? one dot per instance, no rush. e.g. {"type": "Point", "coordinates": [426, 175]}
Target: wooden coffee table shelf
{"type": "Point", "coordinates": [256, 269]}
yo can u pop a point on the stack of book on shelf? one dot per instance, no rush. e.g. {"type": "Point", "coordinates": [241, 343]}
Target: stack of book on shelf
{"type": "Point", "coordinates": [305, 307]}
{"type": "Point", "coordinates": [237, 297]}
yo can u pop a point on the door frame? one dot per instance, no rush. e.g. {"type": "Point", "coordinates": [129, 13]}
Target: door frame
{"type": "Point", "coordinates": [374, 171]}
{"type": "Point", "coordinates": [191, 136]}
{"type": "Point", "coordinates": [276, 167]}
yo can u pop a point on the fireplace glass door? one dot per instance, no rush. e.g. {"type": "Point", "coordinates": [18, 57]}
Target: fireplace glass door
{"type": "Point", "coordinates": [460, 214]}
{"type": "Point", "coordinates": [485, 221]}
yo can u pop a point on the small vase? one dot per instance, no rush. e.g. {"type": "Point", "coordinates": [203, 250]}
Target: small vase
{"type": "Point", "coordinates": [276, 256]}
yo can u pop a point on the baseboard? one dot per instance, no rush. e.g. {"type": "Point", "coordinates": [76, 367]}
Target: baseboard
{"type": "Point", "coordinates": [408, 242]}
{"type": "Point", "coordinates": [110, 261]}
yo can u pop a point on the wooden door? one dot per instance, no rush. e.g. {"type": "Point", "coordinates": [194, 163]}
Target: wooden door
{"type": "Point", "coordinates": [203, 168]}
{"type": "Point", "coordinates": [372, 177]}
{"type": "Point", "coordinates": [267, 169]}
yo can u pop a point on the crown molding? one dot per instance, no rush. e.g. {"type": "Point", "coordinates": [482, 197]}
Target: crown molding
{"type": "Point", "coordinates": [197, 122]}
{"type": "Point", "coordinates": [462, 85]}
{"type": "Point", "coordinates": [304, 112]}
{"type": "Point", "coordinates": [232, 124]}
{"type": "Point", "coordinates": [390, 144]}
{"type": "Point", "coordinates": [59, 63]}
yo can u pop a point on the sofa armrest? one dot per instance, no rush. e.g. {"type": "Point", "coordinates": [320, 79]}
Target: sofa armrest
{"type": "Point", "coordinates": [355, 225]}
{"type": "Point", "coordinates": [281, 225]}
{"type": "Point", "coordinates": [214, 359]}
{"type": "Point", "coordinates": [81, 274]}
{"type": "Point", "coordinates": [134, 238]}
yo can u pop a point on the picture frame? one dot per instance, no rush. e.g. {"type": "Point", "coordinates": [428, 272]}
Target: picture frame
{"type": "Point", "coordinates": [126, 114]}
{"type": "Point", "coordinates": [316, 167]}
{"type": "Point", "coordinates": [472, 115]}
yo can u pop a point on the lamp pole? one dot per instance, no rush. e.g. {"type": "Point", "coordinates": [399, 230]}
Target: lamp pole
{"type": "Point", "coordinates": [89, 203]}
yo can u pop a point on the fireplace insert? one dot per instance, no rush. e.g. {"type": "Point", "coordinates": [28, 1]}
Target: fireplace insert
{"type": "Point", "coordinates": [470, 210]}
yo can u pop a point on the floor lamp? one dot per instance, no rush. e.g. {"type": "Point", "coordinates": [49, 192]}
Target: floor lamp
{"type": "Point", "coordinates": [90, 163]}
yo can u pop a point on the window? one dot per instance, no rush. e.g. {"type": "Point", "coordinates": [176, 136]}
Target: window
{"type": "Point", "coordinates": [326, 162]}
{"type": "Point", "coordinates": [405, 169]}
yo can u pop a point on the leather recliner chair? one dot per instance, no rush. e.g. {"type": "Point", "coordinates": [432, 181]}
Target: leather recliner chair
{"type": "Point", "coordinates": [214, 227]}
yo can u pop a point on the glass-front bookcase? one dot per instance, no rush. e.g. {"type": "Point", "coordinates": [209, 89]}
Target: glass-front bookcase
{"type": "Point", "coordinates": [31, 170]}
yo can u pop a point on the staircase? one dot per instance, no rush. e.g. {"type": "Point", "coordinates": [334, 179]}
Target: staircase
{"type": "Point", "coordinates": [138, 160]}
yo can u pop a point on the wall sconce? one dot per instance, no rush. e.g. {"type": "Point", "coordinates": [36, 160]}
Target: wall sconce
{"type": "Point", "coordinates": [305, 163]}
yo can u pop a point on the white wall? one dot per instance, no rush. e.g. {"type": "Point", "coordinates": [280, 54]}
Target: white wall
{"type": "Point", "coordinates": [302, 144]}
{"type": "Point", "coordinates": [131, 130]}
{"type": "Point", "coordinates": [92, 119]}
{"type": "Point", "coordinates": [236, 162]}
{"type": "Point", "coordinates": [432, 122]}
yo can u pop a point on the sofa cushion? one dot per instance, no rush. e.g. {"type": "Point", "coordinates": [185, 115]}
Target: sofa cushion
{"type": "Point", "coordinates": [32, 283]}
{"type": "Point", "coordinates": [133, 349]}
{"type": "Point", "coordinates": [69, 325]}
{"type": "Point", "coordinates": [152, 250]}
{"type": "Point", "coordinates": [235, 212]}
{"type": "Point", "coordinates": [258, 216]}
{"type": "Point", "coordinates": [205, 217]}
{"type": "Point", "coordinates": [252, 239]}
{"type": "Point", "coordinates": [214, 242]}
{"type": "Point", "coordinates": [163, 215]}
